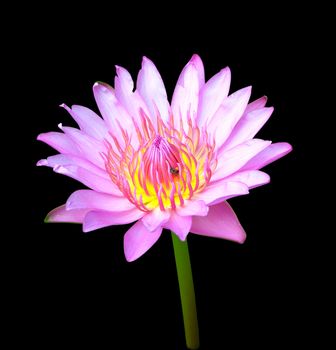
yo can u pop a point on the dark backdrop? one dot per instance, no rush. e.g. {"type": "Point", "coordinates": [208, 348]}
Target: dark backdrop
{"type": "Point", "coordinates": [79, 289]}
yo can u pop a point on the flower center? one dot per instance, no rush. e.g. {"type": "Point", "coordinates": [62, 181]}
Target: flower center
{"type": "Point", "coordinates": [164, 166]}
{"type": "Point", "coordinates": [160, 159]}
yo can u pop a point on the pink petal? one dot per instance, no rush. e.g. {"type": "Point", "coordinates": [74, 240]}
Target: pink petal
{"type": "Point", "coordinates": [98, 219]}
{"type": "Point", "coordinates": [234, 159]}
{"type": "Point", "coordinates": [221, 190]}
{"type": "Point", "coordinates": [96, 200]}
{"type": "Point", "coordinates": [198, 64]}
{"type": "Point", "coordinates": [66, 160]}
{"type": "Point", "coordinates": [248, 126]}
{"type": "Point", "coordinates": [155, 218]}
{"type": "Point", "coordinates": [221, 222]}
{"type": "Point", "coordinates": [89, 148]}
{"type": "Point", "coordinates": [89, 179]}
{"type": "Point", "coordinates": [251, 178]}
{"type": "Point", "coordinates": [138, 239]}
{"type": "Point", "coordinates": [257, 104]}
{"type": "Point", "coordinates": [152, 90]}
{"type": "Point", "coordinates": [213, 94]}
{"type": "Point", "coordinates": [228, 114]}
{"type": "Point", "coordinates": [193, 207]}
{"type": "Point", "coordinates": [60, 214]}
{"type": "Point", "coordinates": [59, 141]}
{"type": "Point", "coordinates": [268, 155]}
{"type": "Point", "coordinates": [179, 225]}
{"type": "Point", "coordinates": [88, 121]}
{"type": "Point", "coordinates": [185, 97]}
{"type": "Point", "coordinates": [130, 100]}
{"type": "Point", "coordinates": [112, 111]}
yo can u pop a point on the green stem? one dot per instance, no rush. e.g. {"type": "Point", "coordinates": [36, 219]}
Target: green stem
{"type": "Point", "coordinates": [187, 292]}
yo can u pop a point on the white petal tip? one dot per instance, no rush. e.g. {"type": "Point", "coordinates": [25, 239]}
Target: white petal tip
{"type": "Point", "coordinates": [42, 162]}
{"type": "Point", "coordinates": [130, 258]}
{"type": "Point", "coordinates": [145, 60]}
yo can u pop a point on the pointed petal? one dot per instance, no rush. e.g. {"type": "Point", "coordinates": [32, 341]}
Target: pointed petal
{"type": "Point", "coordinates": [248, 126]}
{"type": "Point", "coordinates": [130, 100]}
{"type": "Point", "coordinates": [180, 225]}
{"type": "Point", "coordinates": [185, 97]}
{"type": "Point", "coordinates": [221, 222]}
{"type": "Point", "coordinates": [89, 148]}
{"type": "Point", "coordinates": [89, 179]}
{"type": "Point", "coordinates": [257, 104]}
{"type": "Point", "coordinates": [138, 239]}
{"type": "Point", "coordinates": [251, 178]}
{"type": "Point", "coordinates": [198, 64]}
{"type": "Point", "coordinates": [151, 88]}
{"type": "Point", "coordinates": [227, 115]}
{"type": "Point", "coordinates": [155, 218]}
{"type": "Point", "coordinates": [60, 214]}
{"type": "Point", "coordinates": [59, 141]}
{"type": "Point", "coordinates": [88, 121]}
{"type": "Point", "coordinates": [221, 190]}
{"type": "Point", "coordinates": [213, 94]}
{"type": "Point", "coordinates": [234, 159]}
{"type": "Point", "coordinates": [68, 160]}
{"type": "Point", "coordinates": [193, 207]}
{"type": "Point", "coordinates": [98, 219]}
{"type": "Point", "coordinates": [82, 199]}
{"type": "Point", "coordinates": [112, 111]}
{"type": "Point", "coordinates": [268, 155]}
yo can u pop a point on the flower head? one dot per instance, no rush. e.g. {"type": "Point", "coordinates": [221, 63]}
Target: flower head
{"type": "Point", "coordinates": [164, 166]}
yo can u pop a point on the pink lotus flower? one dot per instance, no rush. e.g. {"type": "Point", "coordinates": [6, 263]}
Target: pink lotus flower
{"type": "Point", "coordinates": [161, 165]}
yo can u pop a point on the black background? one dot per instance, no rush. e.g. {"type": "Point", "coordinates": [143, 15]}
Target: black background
{"type": "Point", "coordinates": [77, 289]}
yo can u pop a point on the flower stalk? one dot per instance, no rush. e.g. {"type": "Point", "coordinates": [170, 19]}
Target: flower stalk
{"type": "Point", "coordinates": [187, 293]}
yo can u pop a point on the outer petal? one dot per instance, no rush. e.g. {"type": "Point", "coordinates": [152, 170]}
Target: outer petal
{"type": "Point", "coordinates": [222, 190]}
{"type": "Point", "coordinates": [179, 224]}
{"type": "Point", "coordinates": [234, 159]}
{"type": "Point", "coordinates": [228, 114]}
{"type": "Point", "coordinates": [60, 214]}
{"type": "Point", "coordinates": [152, 90]}
{"type": "Point", "coordinates": [251, 178]}
{"type": "Point", "coordinates": [89, 179]}
{"type": "Point", "coordinates": [257, 104]}
{"type": "Point", "coordinates": [131, 101]}
{"type": "Point", "coordinates": [198, 64]}
{"type": "Point", "coordinates": [138, 239]}
{"type": "Point", "coordinates": [221, 222]}
{"type": "Point", "coordinates": [193, 207]}
{"type": "Point", "coordinates": [88, 121]}
{"type": "Point", "coordinates": [98, 219]}
{"type": "Point", "coordinates": [82, 199]}
{"type": "Point", "coordinates": [89, 148]}
{"type": "Point", "coordinates": [70, 160]}
{"type": "Point", "coordinates": [268, 155]}
{"type": "Point", "coordinates": [248, 126]}
{"type": "Point", "coordinates": [185, 97]}
{"type": "Point", "coordinates": [59, 141]}
{"type": "Point", "coordinates": [155, 218]}
{"type": "Point", "coordinates": [112, 111]}
{"type": "Point", "coordinates": [213, 94]}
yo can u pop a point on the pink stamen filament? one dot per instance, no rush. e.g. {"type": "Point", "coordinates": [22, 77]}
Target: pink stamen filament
{"type": "Point", "coordinates": [168, 164]}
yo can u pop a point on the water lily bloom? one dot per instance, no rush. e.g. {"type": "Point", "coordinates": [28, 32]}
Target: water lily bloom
{"type": "Point", "coordinates": [163, 165]}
